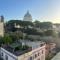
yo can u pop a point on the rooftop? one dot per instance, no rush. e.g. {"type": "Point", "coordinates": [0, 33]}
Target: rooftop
{"type": "Point", "coordinates": [17, 49]}
{"type": "Point", "coordinates": [33, 44]}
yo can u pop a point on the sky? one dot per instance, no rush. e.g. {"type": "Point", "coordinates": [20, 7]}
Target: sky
{"type": "Point", "coordinates": [42, 10]}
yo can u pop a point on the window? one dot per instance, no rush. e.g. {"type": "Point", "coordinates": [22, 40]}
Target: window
{"type": "Point", "coordinates": [6, 57]}
{"type": "Point", "coordinates": [38, 54]}
{"type": "Point", "coordinates": [39, 59]}
{"type": "Point", "coordinates": [35, 55]}
{"type": "Point", "coordinates": [42, 51]}
{"type": "Point", "coordinates": [31, 58]}
{"type": "Point", "coordinates": [1, 54]}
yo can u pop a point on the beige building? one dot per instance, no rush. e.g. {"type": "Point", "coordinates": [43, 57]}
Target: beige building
{"type": "Point", "coordinates": [1, 26]}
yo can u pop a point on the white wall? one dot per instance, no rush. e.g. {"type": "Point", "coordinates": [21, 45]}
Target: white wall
{"type": "Point", "coordinates": [10, 56]}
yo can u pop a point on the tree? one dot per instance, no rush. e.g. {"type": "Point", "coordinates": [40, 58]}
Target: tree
{"type": "Point", "coordinates": [49, 33]}
{"type": "Point", "coordinates": [7, 39]}
{"type": "Point", "coordinates": [17, 35]}
{"type": "Point", "coordinates": [45, 25]}
{"type": "Point", "coordinates": [10, 25]}
{"type": "Point", "coordinates": [37, 23]}
{"type": "Point", "coordinates": [1, 41]}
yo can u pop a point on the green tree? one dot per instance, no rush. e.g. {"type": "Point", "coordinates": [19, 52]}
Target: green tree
{"type": "Point", "coordinates": [49, 33]}
{"type": "Point", "coordinates": [46, 25]}
{"type": "Point", "coordinates": [16, 35]}
{"type": "Point", "coordinates": [37, 23]}
{"type": "Point", "coordinates": [1, 41]}
{"type": "Point", "coordinates": [7, 39]}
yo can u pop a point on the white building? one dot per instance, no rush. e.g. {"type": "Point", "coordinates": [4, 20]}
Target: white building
{"type": "Point", "coordinates": [36, 53]}
{"type": "Point", "coordinates": [18, 26]}
{"type": "Point", "coordinates": [27, 17]}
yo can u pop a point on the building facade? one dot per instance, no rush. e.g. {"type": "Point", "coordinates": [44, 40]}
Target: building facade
{"type": "Point", "coordinates": [50, 48]}
{"type": "Point", "coordinates": [1, 26]}
{"type": "Point", "coordinates": [37, 53]}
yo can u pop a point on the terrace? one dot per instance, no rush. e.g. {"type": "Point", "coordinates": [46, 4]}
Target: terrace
{"type": "Point", "coordinates": [17, 48]}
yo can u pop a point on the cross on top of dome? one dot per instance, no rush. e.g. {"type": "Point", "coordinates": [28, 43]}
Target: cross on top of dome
{"type": "Point", "coordinates": [27, 17]}
{"type": "Point", "coordinates": [27, 14]}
